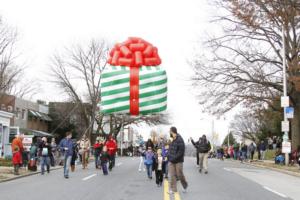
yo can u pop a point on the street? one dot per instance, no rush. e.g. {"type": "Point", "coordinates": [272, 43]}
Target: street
{"type": "Point", "coordinates": [225, 180]}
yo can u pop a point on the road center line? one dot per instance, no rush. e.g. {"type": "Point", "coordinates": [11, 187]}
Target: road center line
{"type": "Point", "coordinates": [229, 170]}
{"type": "Point", "coordinates": [275, 192]}
{"type": "Point", "coordinates": [177, 196]}
{"type": "Point", "coordinates": [166, 190]}
{"type": "Point", "coordinates": [88, 177]}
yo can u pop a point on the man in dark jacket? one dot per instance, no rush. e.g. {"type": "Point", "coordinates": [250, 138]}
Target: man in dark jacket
{"type": "Point", "coordinates": [196, 144]}
{"type": "Point", "coordinates": [203, 149]}
{"type": "Point", "coordinates": [176, 159]}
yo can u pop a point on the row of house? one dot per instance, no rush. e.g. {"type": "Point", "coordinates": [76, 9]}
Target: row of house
{"type": "Point", "coordinates": [21, 116]}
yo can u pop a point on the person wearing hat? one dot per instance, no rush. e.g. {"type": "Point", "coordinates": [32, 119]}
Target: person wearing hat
{"type": "Point", "coordinates": [203, 149]}
{"type": "Point", "coordinates": [176, 159]}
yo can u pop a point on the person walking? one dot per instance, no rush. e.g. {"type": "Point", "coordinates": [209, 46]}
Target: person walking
{"type": "Point", "coordinates": [252, 150]}
{"type": "Point", "coordinates": [104, 158]}
{"type": "Point", "coordinates": [176, 159]}
{"type": "Point", "coordinates": [142, 152]}
{"type": "Point", "coordinates": [159, 168]}
{"type": "Point", "coordinates": [45, 149]}
{"type": "Point", "coordinates": [17, 151]}
{"type": "Point", "coordinates": [111, 145]}
{"type": "Point", "coordinates": [196, 145]}
{"type": "Point", "coordinates": [149, 158]}
{"type": "Point", "coordinates": [236, 151]}
{"type": "Point", "coordinates": [54, 155]}
{"type": "Point", "coordinates": [204, 147]}
{"type": "Point", "coordinates": [84, 150]}
{"type": "Point", "coordinates": [244, 150]}
{"type": "Point", "coordinates": [97, 151]}
{"type": "Point", "coordinates": [262, 149]}
{"type": "Point", "coordinates": [66, 145]}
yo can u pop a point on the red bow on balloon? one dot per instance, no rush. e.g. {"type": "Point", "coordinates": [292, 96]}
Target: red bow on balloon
{"type": "Point", "coordinates": [134, 52]}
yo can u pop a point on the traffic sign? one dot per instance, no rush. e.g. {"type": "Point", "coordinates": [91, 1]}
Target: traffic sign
{"type": "Point", "coordinates": [285, 126]}
{"type": "Point", "coordinates": [289, 111]}
{"type": "Point", "coordinates": [285, 101]}
{"type": "Point", "coordinates": [286, 147]}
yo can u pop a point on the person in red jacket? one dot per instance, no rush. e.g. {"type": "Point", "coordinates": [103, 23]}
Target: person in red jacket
{"type": "Point", "coordinates": [111, 145]}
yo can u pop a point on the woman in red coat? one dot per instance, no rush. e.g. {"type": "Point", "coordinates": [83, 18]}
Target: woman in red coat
{"type": "Point", "coordinates": [111, 149]}
{"type": "Point", "coordinates": [17, 150]}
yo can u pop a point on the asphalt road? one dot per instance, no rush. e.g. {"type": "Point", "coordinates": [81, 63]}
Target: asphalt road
{"type": "Point", "coordinates": [225, 181]}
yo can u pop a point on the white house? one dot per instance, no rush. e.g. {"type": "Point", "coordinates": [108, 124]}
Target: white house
{"type": "Point", "coordinates": [5, 148]}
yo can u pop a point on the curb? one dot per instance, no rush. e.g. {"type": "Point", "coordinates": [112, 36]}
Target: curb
{"type": "Point", "coordinates": [297, 174]}
{"type": "Point", "coordinates": [26, 175]}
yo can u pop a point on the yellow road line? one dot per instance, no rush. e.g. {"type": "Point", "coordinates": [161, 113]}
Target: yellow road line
{"type": "Point", "coordinates": [166, 190]}
{"type": "Point", "coordinates": [177, 196]}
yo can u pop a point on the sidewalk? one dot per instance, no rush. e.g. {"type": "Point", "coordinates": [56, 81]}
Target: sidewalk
{"type": "Point", "coordinates": [269, 164]}
{"type": "Point", "coordinates": [7, 173]}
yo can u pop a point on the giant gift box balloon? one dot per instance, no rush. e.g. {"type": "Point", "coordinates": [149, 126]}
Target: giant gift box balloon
{"type": "Point", "coordinates": [134, 82]}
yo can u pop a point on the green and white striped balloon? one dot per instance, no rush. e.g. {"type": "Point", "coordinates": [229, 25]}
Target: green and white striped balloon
{"type": "Point", "coordinates": [115, 88]}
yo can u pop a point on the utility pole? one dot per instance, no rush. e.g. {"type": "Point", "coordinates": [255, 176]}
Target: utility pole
{"type": "Point", "coordinates": [286, 134]}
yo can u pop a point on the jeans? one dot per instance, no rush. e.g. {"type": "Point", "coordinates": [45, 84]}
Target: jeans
{"type": "Point", "coordinates": [111, 161]}
{"type": "Point", "coordinates": [149, 170]}
{"type": "Point", "coordinates": [97, 161]}
{"type": "Point", "coordinates": [203, 161]}
{"type": "Point", "coordinates": [45, 160]}
{"type": "Point", "coordinates": [176, 171]}
{"type": "Point", "coordinates": [262, 154]}
{"type": "Point", "coordinates": [141, 165]}
{"type": "Point", "coordinates": [104, 168]}
{"type": "Point", "coordinates": [67, 163]}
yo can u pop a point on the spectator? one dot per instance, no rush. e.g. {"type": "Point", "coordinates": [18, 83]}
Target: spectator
{"type": "Point", "coordinates": [262, 150]}
{"type": "Point", "coordinates": [17, 151]}
{"type": "Point", "coordinates": [251, 150]}
{"type": "Point", "coordinates": [84, 149]}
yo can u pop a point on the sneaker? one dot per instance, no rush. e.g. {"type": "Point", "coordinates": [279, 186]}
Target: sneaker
{"type": "Point", "coordinates": [140, 170]}
{"type": "Point", "coordinates": [66, 177]}
{"type": "Point", "coordinates": [200, 170]}
{"type": "Point", "coordinates": [184, 191]}
{"type": "Point", "coordinates": [206, 172]}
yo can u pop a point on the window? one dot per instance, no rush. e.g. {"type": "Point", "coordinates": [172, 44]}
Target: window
{"type": "Point", "coordinates": [9, 108]}
{"type": "Point", "coordinates": [17, 112]}
{"type": "Point", "coordinates": [23, 114]}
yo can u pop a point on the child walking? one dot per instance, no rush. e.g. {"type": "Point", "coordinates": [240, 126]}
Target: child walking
{"type": "Point", "coordinates": [149, 157]}
{"type": "Point", "coordinates": [159, 168]}
{"type": "Point", "coordinates": [165, 154]}
{"type": "Point", "coordinates": [104, 160]}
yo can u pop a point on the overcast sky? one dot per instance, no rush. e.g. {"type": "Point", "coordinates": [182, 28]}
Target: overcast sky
{"type": "Point", "coordinates": [174, 26]}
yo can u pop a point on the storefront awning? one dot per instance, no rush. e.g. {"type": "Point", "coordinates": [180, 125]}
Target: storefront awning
{"type": "Point", "coordinates": [36, 133]}
{"type": "Point", "coordinates": [39, 115]}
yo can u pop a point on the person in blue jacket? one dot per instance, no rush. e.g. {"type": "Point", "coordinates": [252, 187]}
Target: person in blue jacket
{"type": "Point", "coordinates": [66, 146]}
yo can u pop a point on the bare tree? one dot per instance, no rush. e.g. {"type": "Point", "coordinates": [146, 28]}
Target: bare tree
{"type": "Point", "coordinates": [9, 71]}
{"type": "Point", "coordinates": [77, 73]}
{"type": "Point", "coordinates": [244, 66]}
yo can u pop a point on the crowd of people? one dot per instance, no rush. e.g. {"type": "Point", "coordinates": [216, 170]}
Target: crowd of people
{"type": "Point", "coordinates": [66, 153]}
